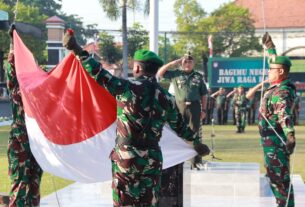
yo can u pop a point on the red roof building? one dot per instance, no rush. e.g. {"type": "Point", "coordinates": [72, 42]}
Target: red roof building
{"type": "Point", "coordinates": [284, 20]}
{"type": "Point", "coordinates": [278, 13]}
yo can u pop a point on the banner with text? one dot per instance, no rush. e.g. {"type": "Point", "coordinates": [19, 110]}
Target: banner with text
{"type": "Point", "coordinates": [232, 72]}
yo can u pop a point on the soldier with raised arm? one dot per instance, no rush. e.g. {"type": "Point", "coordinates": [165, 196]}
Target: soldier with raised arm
{"type": "Point", "coordinates": [143, 107]}
{"type": "Point", "coordinates": [276, 124]}
{"type": "Point", "coordinates": [190, 93]}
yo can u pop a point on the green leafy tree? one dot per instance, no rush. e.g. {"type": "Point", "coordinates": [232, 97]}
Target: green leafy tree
{"type": "Point", "coordinates": [108, 50]}
{"type": "Point", "coordinates": [31, 15]}
{"type": "Point", "coordinates": [4, 40]}
{"type": "Point", "coordinates": [137, 39]}
{"type": "Point", "coordinates": [116, 8]}
{"type": "Point", "coordinates": [189, 13]}
{"type": "Point", "coordinates": [82, 33]}
{"type": "Point", "coordinates": [112, 9]}
{"type": "Point", "coordinates": [235, 31]}
{"type": "Point", "coordinates": [231, 26]}
{"type": "Point", "coordinates": [46, 7]}
{"type": "Point", "coordinates": [166, 49]}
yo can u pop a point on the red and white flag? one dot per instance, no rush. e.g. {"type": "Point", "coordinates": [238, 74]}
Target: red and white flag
{"type": "Point", "coordinates": [71, 120]}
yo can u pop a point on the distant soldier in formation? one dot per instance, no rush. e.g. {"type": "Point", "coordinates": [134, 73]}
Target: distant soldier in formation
{"type": "Point", "coordinates": [296, 107]}
{"type": "Point", "coordinates": [210, 107]}
{"type": "Point", "coordinates": [251, 110]}
{"type": "Point", "coordinates": [239, 106]}
{"type": "Point", "coordinates": [220, 96]}
{"type": "Point", "coordinates": [276, 125]}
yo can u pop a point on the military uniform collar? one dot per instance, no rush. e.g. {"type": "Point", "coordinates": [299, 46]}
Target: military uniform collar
{"type": "Point", "coordinates": [145, 77]}
{"type": "Point", "coordinates": [279, 83]}
{"type": "Point", "coordinates": [185, 73]}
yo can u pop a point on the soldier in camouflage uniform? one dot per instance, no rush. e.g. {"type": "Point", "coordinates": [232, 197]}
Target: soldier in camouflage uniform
{"type": "Point", "coordinates": [190, 93]}
{"type": "Point", "coordinates": [296, 107]}
{"type": "Point", "coordinates": [251, 110]}
{"type": "Point", "coordinates": [239, 106]}
{"type": "Point", "coordinates": [24, 171]}
{"type": "Point", "coordinates": [220, 96]}
{"type": "Point", "coordinates": [210, 107]}
{"type": "Point", "coordinates": [277, 136]}
{"type": "Point", "coordinates": [143, 107]}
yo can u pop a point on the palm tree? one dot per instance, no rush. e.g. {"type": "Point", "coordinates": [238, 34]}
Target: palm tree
{"type": "Point", "coordinates": [112, 9]}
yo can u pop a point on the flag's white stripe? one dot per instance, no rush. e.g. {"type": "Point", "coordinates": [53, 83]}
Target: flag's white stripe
{"type": "Point", "coordinates": [88, 161]}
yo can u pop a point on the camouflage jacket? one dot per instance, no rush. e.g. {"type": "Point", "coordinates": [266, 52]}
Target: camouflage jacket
{"type": "Point", "coordinates": [18, 124]}
{"type": "Point", "coordinates": [143, 107]}
{"type": "Point", "coordinates": [276, 108]}
{"type": "Point", "coordinates": [240, 101]}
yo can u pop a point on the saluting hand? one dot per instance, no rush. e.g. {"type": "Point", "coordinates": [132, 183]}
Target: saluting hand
{"type": "Point", "coordinates": [177, 62]}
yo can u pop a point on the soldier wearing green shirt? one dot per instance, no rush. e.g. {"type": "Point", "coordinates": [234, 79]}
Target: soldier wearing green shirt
{"type": "Point", "coordinates": [276, 125]}
{"type": "Point", "coordinates": [239, 104]}
{"type": "Point", "coordinates": [296, 107]}
{"type": "Point", "coordinates": [221, 105]}
{"type": "Point", "coordinates": [190, 93]}
{"type": "Point", "coordinates": [143, 107]}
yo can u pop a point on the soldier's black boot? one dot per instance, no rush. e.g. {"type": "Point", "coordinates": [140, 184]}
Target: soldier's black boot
{"type": "Point", "coordinates": [197, 163]}
{"type": "Point", "coordinates": [238, 130]}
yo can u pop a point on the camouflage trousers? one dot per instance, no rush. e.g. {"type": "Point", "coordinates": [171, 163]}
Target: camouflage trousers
{"type": "Point", "coordinates": [24, 172]}
{"type": "Point", "coordinates": [240, 118]}
{"type": "Point", "coordinates": [277, 163]}
{"type": "Point", "coordinates": [136, 176]}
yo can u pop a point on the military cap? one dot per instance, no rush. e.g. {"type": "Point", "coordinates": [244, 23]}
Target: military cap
{"type": "Point", "coordinates": [187, 56]}
{"type": "Point", "coordinates": [282, 60]}
{"type": "Point", "coordinates": [147, 56]}
{"type": "Point", "coordinates": [241, 86]}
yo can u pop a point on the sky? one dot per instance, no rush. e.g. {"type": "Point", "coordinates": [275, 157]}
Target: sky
{"type": "Point", "coordinates": [92, 13]}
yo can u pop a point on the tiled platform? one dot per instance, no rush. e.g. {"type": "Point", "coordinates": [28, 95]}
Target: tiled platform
{"type": "Point", "coordinates": [5, 123]}
{"type": "Point", "coordinates": [220, 184]}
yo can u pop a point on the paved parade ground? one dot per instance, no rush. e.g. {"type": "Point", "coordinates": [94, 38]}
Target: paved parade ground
{"type": "Point", "coordinates": [219, 184]}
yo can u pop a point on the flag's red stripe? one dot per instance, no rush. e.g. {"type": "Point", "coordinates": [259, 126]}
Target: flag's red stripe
{"type": "Point", "coordinates": [68, 104]}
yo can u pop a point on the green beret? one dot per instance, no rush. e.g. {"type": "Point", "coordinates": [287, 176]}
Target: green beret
{"type": "Point", "coordinates": [241, 86]}
{"type": "Point", "coordinates": [147, 56]}
{"type": "Point", "coordinates": [282, 60]}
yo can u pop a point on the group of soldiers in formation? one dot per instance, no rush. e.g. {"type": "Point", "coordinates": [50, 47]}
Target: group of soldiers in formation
{"type": "Point", "coordinates": [244, 111]}
{"type": "Point", "coordinates": [143, 109]}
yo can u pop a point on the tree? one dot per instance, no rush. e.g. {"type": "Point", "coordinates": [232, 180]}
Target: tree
{"type": "Point", "coordinates": [30, 15]}
{"type": "Point", "coordinates": [46, 7]}
{"type": "Point", "coordinates": [137, 39]}
{"type": "Point", "coordinates": [82, 33]}
{"type": "Point", "coordinates": [231, 26]}
{"type": "Point", "coordinates": [108, 50]}
{"type": "Point", "coordinates": [189, 13]}
{"type": "Point", "coordinates": [112, 9]}
{"type": "Point", "coordinates": [238, 38]}
{"type": "Point", "coordinates": [166, 50]}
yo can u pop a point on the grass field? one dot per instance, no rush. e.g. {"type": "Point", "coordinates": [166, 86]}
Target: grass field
{"type": "Point", "coordinates": [229, 146]}
{"type": "Point", "coordinates": [298, 66]}
{"type": "Point", "coordinates": [232, 147]}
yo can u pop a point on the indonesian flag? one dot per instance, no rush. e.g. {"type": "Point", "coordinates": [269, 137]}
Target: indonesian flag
{"type": "Point", "coordinates": [71, 120]}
